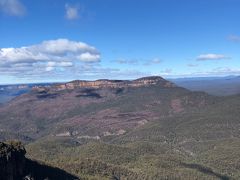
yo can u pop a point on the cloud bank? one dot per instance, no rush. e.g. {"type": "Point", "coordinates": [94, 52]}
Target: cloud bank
{"type": "Point", "coordinates": [53, 50]}
{"type": "Point", "coordinates": [57, 60]}
{"type": "Point", "coordinates": [47, 56]}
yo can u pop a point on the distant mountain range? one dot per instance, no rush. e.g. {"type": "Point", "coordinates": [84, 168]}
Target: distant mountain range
{"type": "Point", "coordinates": [220, 86]}
{"type": "Point", "coordinates": [148, 128]}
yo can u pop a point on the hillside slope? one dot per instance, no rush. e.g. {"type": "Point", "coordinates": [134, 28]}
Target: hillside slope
{"type": "Point", "coordinates": [84, 112]}
{"type": "Point", "coordinates": [143, 129]}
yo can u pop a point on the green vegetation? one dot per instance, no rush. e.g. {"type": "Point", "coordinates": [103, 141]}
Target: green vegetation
{"type": "Point", "coordinates": [141, 133]}
{"type": "Point", "coordinates": [130, 161]}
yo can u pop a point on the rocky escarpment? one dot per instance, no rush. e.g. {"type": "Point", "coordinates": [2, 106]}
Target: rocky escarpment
{"type": "Point", "coordinates": [15, 166]}
{"type": "Point", "coordinates": [105, 83]}
{"type": "Point", "coordinates": [12, 160]}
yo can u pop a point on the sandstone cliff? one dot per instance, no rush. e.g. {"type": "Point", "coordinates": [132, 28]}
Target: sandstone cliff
{"type": "Point", "coordinates": [105, 83]}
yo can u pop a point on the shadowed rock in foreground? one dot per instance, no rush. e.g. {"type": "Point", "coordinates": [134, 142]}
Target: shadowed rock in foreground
{"type": "Point", "coordinates": [15, 166]}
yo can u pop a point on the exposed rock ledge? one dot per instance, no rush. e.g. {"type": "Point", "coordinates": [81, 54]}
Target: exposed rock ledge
{"type": "Point", "coordinates": [105, 83]}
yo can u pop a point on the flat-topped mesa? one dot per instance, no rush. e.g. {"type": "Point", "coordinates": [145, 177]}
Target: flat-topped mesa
{"type": "Point", "coordinates": [105, 83]}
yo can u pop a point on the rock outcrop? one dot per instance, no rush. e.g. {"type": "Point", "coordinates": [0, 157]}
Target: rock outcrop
{"type": "Point", "coordinates": [105, 83]}
{"type": "Point", "coordinates": [15, 166]}
{"type": "Point", "coordinates": [12, 161]}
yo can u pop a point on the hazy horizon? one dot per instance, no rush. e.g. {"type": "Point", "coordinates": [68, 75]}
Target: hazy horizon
{"type": "Point", "coordinates": [170, 78]}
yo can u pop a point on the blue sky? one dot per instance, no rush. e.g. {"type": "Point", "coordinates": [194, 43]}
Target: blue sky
{"type": "Point", "coordinates": [62, 40]}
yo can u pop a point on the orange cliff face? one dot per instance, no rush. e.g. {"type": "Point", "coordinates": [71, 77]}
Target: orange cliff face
{"type": "Point", "coordinates": [104, 83]}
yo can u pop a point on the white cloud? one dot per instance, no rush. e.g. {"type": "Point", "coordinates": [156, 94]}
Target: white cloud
{"type": "Point", "coordinates": [89, 57]}
{"type": "Point", "coordinates": [50, 56]}
{"type": "Point", "coordinates": [12, 7]}
{"type": "Point", "coordinates": [72, 12]}
{"type": "Point", "coordinates": [54, 50]}
{"type": "Point", "coordinates": [205, 57]}
{"type": "Point", "coordinates": [234, 38]}
{"type": "Point", "coordinates": [51, 65]}
{"type": "Point", "coordinates": [49, 68]}
{"type": "Point", "coordinates": [65, 64]}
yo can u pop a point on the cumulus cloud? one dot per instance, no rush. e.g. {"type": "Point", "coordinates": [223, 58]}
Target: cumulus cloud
{"type": "Point", "coordinates": [87, 56]}
{"type": "Point", "coordinates": [206, 57]}
{"type": "Point", "coordinates": [72, 12]}
{"type": "Point", "coordinates": [57, 60]}
{"type": "Point", "coordinates": [53, 50]}
{"type": "Point", "coordinates": [50, 66]}
{"type": "Point", "coordinates": [48, 56]}
{"type": "Point", "coordinates": [12, 7]}
{"type": "Point", "coordinates": [234, 38]}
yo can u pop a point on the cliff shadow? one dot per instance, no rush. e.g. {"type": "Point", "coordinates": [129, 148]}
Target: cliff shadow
{"type": "Point", "coordinates": [205, 170]}
{"type": "Point", "coordinates": [42, 171]}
